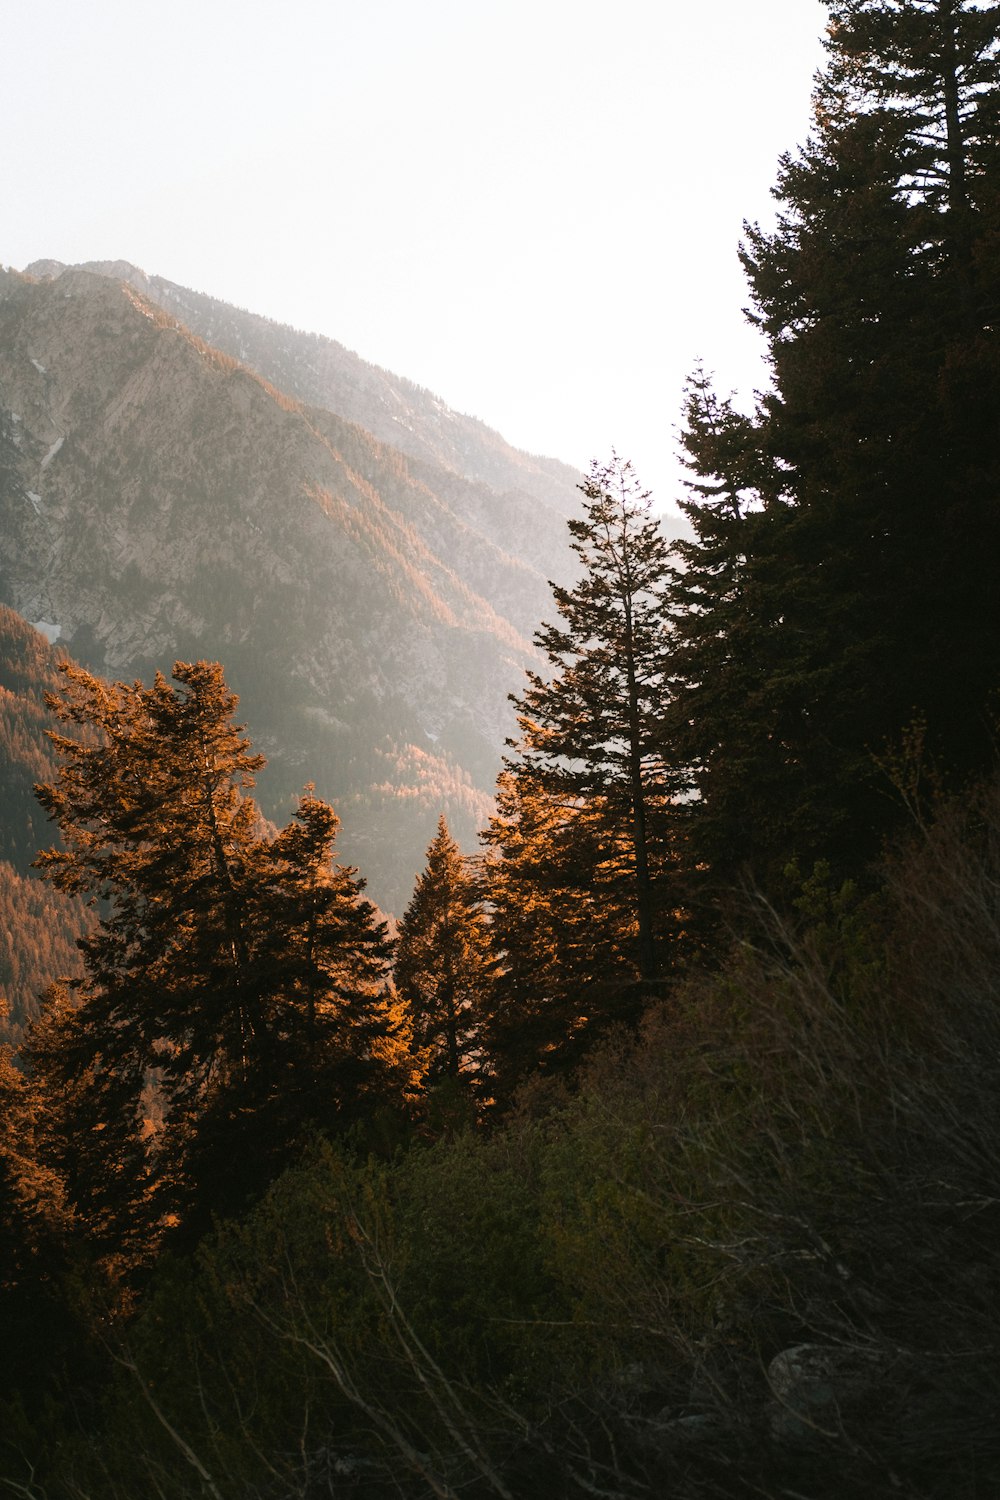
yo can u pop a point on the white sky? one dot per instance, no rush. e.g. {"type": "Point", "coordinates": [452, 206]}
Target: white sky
{"type": "Point", "coordinates": [530, 206]}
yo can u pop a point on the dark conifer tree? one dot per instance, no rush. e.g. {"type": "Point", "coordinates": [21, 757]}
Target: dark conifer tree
{"type": "Point", "coordinates": [589, 731]}
{"type": "Point", "coordinates": [152, 807]}
{"type": "Point", "coordinates": [321, 951]}
{"type": "Point", "coordinates": [857, 593]}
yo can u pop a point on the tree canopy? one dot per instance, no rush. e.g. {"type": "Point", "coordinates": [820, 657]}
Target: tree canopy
{"type": "Point", "coordinates": [839, 585]}
{"type": "Point", "coordinates": [443, 967]}
{"type": "Point", "coordinates": [580, 907]}
{"type": "Point", "coordinates": [234, 982]}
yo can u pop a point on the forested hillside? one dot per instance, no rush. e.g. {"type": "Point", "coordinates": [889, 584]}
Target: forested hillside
{"type": "Point", "coordinates": [38, 930]}
{"type": "Point", "coordinates": [654, 1153]}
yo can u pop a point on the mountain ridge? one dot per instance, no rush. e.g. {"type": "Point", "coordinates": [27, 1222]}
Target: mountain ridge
{"type": "Point", "coordinates": [320, 371]}
{"type": "Point", "coordinates": [373, 609]}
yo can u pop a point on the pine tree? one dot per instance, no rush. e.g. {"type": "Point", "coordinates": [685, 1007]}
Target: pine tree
{"type": "Point", "coordinates": [233, 981]}
{"type": "Point", "coordinates": [589, 731]}
{"type": "Point", "coordinates": [853, 593]}
{"type": "Point", "coordinates": [155, 821]}
{"type": "Point", "coordinates": [442, 970]}
{"type": "Point", "coordinates": [319, 958]}
{"type": "Point", "coordinates": [581, 903]}
{"type": "Point", "coordinates": [563, 929]}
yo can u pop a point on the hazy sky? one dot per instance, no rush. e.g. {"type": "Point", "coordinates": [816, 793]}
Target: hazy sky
{"type": "Point", "coordinates": [530, 206]}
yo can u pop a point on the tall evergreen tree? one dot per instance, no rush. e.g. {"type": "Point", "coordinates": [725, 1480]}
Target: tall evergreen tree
{"type": "Point", "coordinates": [442, 969]}
{"type": "Point", "coordinates": [853, 591]}
{"type": "Point", "coordinates": [228, 974]}
{"type": "Point", "coordinates": [580, 903]}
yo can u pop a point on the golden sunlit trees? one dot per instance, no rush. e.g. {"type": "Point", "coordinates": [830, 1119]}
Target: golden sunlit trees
{"type": "Point", "coordinates": [579, 888]}
{"type": "Point", "coordinates": [442, 969]}
{"type": "Point", "coordinates": [233, 985]}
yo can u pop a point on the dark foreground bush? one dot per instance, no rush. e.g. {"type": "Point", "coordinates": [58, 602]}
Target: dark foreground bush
{"type": "Point", "coordinates": [756, 1253]}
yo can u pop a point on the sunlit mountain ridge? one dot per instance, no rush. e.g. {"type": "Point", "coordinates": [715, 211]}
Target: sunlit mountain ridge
{"type": "Point", "coordinates": [168, 496]}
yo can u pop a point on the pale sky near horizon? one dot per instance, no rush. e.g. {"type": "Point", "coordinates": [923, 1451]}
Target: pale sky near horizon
{"type": "Point", "coordinates": [533, 209]}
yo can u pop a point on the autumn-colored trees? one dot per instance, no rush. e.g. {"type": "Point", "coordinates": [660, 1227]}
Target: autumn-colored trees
{"type": "Point", "coordinates": [581, 909]}
{"type": "Point", "coordinates": [666, 1276]}
{"type": "Point", "coordinates": [233, 978]}
{"type": "Point", "coordinates": [442, 968]}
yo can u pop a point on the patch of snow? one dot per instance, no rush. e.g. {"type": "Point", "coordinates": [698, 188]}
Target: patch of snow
{"type": "Point", "coordinates": [53, 451]}
{"type": "Point", "coordinates": [45, 627]}
{"type": "Point", "coordinates": [434, 737]}
{"type": "Point", "coordinates": [40, 368]}
{"type": "Point", "coordinates": [36, 501]}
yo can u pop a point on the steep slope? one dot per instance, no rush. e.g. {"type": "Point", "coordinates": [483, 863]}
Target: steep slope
{"type": "Point", "coordinates": [518, 500]}
{"type": "Point", "coordinates": [38, 927]}
{"type": "Point", "coordinates": [170, 503]}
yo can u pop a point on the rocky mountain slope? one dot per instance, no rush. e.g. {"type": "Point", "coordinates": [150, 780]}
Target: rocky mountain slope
{"type": "Point", "coordinates": [518, 499]}
{"type": "Point", "coordinates": [165, 501]}
{"type": "Point", "coordinates": [38, 926]}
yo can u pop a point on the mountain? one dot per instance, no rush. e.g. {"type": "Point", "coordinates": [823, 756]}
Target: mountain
{"type": "Point", "coordinates": [519, 500]}
{"type": "Point", "coordinates": [38, 927]}
{"type": "Point", "coordinates": [167, 498]}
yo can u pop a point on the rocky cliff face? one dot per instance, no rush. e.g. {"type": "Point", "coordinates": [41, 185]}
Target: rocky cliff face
{"type": "Point", "coordinates": [373, 609]}
{"type": "Point", "coordinates": [506, 493]}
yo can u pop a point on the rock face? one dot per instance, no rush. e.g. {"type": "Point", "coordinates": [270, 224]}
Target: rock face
{"type": "Point", "coordinates": [814, 1387]}
{"type": "Point", "coordinates": [519, 500]}
{"type": "Point", "coordinates": [163, 500]}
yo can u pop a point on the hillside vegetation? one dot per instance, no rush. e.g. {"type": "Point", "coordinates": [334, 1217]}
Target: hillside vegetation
{"type": "Point", "coordinates": [652, 1152]}
{"type": "Point", "coordinates": [38, 930]}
